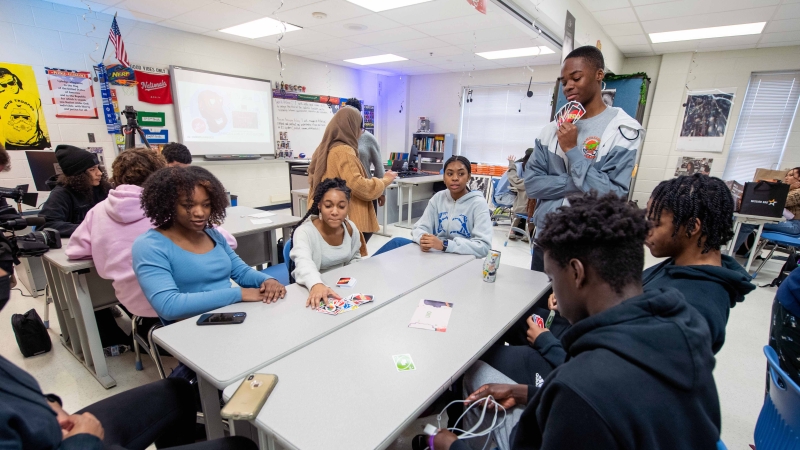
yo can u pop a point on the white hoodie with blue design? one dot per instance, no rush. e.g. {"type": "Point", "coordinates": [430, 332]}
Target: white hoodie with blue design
{"type": "Point", "coordinates": [552, 175]}
{"type": "Point", "coordinates": [466, 223]}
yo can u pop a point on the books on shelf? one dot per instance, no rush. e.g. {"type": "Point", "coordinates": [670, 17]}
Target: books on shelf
{"type": "Point", "coordinates": [429, 143]}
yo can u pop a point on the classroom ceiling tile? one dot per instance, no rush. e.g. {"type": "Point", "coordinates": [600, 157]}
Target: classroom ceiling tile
{"type": "Point", "coordinates": [778, 26]}
{"type": "Point", "coordinates": [489, 34]}
{"type": "Point", "coordinates": [226, 36]}
{"type": "Point", "coordinates": [357, 26]}
{"type": "Point", "coordinates": [161, 8]}
{"type": "Point", "coordinates": [334, 10]}
{"type": "Point", "coordinates": [459, 24]}
{"type": "Point", "coordinates": [787, 36]}
{"type": "Point", "coordinates": [506, 44]}
{"type": "Point", "coordinates": [268, 7]}
{"type": "Point", "coordinates": [295, 38]}
{"type": "Point", "coordinates": [216, 16]}
{"type": "Point", "coordinates": [623, 29]}
{"type": "Point", "coordinates": [483, 64]}
{"type": "Point", "coordinates": [340, 55]}
{"type": "Point", "coordinates": [615, 16]}
{"type": "Point", "coordinates": [328, 45]}
{"type": "Point", "coordinates": [422, 70]}
{"type": "Point", "coordinates": [684, 8]}
{"type": "Point", "coordinates": [414, 44]}
{"type": "Point", "coordinates": [427, 54]}
{"type": "Point", "coordinates": [789, 11]}
{"type": "Point", "coordinates": [643, 48]}
{"type": "Point", "coordinates": [184, 26]}
{"type": "Point", "coordinates": [392, 35]}
{"type": "Point", "coordinates": [602, 5]}
{"type": "Point", "coordinates": [431, 11]}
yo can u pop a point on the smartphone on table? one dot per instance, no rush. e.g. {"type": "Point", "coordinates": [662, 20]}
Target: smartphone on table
{"type": "Point", "coordinates": [250, 397]}
{"type": "Point", "coordinates": [231, 318]}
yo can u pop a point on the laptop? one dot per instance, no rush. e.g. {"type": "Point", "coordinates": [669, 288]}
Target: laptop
{"type": "Point", "coordinates": [397, 165]}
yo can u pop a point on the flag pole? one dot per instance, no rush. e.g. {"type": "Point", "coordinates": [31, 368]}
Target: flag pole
{"type": "Point", "coordinates": [107, 41]}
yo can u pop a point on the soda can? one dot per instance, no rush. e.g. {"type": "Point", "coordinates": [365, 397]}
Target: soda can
{"type": "Point", "coordinates": [490, 266]}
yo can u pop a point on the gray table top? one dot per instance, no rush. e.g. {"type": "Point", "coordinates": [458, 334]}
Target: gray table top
{"type": "Point", "coordinates": [752, 218]}
{"type": "Point", "coordinates": [236, 223]}
{"type": "Point", "coordinates": [419, 180]}
{"type": "Point", "coordinates": [224, 354]}
{"type": "Point", "coordinates": [350, 373]}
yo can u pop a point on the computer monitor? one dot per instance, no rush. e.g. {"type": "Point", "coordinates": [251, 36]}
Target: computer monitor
{"type": "Point", "coordinates": [412, 156]}
{"type": "Point", "coordinates": [43, 166]}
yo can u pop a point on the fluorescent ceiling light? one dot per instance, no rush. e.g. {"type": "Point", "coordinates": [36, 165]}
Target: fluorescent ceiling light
{"type": "Point", "coordinates": [383, 5]}
{"type": "Point", "coordinates": [708, 33]}
{"type": "Point", "coordinates": [516, 52]}
{"type": "Point", "coordinates": [379, 59]}
{"type": "Point", "coordinates": [260, 28]}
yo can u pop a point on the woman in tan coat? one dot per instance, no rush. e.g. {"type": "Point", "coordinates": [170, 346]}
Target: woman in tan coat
{"type": "Point", "coordinates": [337, 157]}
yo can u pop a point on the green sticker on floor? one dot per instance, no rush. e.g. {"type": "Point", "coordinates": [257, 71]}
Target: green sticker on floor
{"type": "Point", "coordinates": [403, 363]}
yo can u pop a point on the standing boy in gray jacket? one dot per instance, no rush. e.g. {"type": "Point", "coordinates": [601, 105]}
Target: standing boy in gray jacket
{"type": "Point", "coordinates": [596, 153]}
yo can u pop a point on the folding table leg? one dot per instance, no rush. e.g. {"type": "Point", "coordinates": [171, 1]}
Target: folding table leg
{"type": "Point", "coordinates": [209, 398]}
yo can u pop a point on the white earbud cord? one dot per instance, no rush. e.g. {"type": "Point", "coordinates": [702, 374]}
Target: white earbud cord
{"type": "Point", "coordinates": [468, 434]}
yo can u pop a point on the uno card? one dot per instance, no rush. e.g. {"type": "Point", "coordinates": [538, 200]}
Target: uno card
{"type": "Point", "coordinates": [403, 363]}
{"type": "Point", "coordinates": [538, 319]}
{"type": "Point", "coordinates": [346, 282]}
{"type": "Point", "coordinates": [571, 112]}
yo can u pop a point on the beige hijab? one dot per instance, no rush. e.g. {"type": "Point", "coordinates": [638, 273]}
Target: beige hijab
{"type": "Point", "coordinates": [343, 129]}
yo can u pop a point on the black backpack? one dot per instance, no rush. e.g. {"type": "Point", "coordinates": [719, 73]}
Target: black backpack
{"type": "Point", "coordinates": [788, 267]}
{"type": "Point", "coordinates": [32, 336]}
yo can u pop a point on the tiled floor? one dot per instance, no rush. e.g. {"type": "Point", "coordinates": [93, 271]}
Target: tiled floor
{"type": "Point", "coordinates": [740, 371]}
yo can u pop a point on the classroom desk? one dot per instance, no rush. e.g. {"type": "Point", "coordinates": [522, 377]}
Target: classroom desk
{"type": "Point", "coordinates": [257, 244]}
{"type": "Point", "coordinates": [78, 290]}
{"type": "Point", "coordinates": [221, 355]}
{"type": "Point", "coordinates": [410, 183]}
{"type": "Point", "coordinates": [348, 380]}
{"type": "Point", "coordinates": [751, 220]}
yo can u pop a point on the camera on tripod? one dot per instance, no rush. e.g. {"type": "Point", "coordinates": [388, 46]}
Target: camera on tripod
{"type": "Point", "coordinates": [36, 243]}
{"type": "Point", "coordinates": [131, 127]}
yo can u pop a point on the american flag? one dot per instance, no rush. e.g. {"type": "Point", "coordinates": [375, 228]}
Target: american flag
{"type": "Point", "coordinates": [116, 38]}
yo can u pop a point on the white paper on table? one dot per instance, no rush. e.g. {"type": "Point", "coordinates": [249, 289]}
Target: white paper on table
{"type": "Point", "coordinates": [431, 315]}
{"type": "Point", "coordinates": [260, 221]}
{"type": "Point", "coordinates": [262, 215]}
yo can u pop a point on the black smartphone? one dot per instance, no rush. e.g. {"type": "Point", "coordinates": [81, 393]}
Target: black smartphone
{"type": "Point", "coordinates": [222, 318]}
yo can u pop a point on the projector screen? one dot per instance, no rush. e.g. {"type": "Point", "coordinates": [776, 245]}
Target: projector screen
{"type": "Point", "coordinates": [219, 114]}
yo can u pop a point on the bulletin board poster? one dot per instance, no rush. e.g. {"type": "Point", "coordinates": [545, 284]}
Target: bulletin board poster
{"type": "Point", "coordinates": [705, 121]}
{"type": "Point", "coordinates": [73, 93]}
{"type": "Point", "coordinates": [22, 123]}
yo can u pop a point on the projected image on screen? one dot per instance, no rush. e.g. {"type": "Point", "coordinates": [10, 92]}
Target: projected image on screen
{"type": "Point", "coordinates": [224, 114]}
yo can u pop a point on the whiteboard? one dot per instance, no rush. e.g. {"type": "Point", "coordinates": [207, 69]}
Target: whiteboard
{"type": "Point", "coordinates": [222, 114]}
{"type": "Point", "coordinates": [299, 126]}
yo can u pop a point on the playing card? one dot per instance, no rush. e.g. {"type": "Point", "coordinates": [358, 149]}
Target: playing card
{"type": "Point", "coordinates": [335, 306]}
{"type": "Point", "coordinates": [538, 319]}
{"type": "Point", "coordinates": [346, 282]}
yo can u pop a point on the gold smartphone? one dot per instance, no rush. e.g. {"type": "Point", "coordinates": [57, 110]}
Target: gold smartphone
{"type": "Point", "coordinates": [250, 397]}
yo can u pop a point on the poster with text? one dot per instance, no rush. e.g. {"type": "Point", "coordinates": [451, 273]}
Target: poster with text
{"type": "Point", "coordinates": [73, 93]}
{"type": "Point", "coordinates": [22, 124]}
{"type": "Point", "coordinates": [705, 121]}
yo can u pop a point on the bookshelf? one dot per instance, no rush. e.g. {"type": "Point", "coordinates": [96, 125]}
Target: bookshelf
{"type": "Point", "coordinates": [434, 150]}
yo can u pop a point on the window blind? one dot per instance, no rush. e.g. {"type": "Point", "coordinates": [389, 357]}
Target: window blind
{"type": "Point", "coordinates": [764, 124]}
{"type": "Point", "coordinates": [502, 121]}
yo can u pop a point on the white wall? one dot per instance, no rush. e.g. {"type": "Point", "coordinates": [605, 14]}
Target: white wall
{"type": "Point", "coordinates": [709, 70]}
{"type": "Point", "coordinates": [40, 34]}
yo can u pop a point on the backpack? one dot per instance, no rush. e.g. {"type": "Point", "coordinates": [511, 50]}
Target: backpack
{"type": "Point", "coordinates": [32, 336]}
{"type": "Point", "coordinates": [788, 267]}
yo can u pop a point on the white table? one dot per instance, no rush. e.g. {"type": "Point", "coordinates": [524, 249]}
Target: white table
{"type": "Point", "coordinates": [343, 391]}
{"type": "Point", "coordinates": [221, 355]}
{"type": "Point", "coordinates": [751, 220]}
{"type": "Point", "coordinates": [78, 290]}
{"type": "Point", "coordinates": [410, 183]}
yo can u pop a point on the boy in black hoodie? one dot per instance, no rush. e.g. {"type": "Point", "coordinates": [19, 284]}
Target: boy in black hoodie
{"type": "Point", "coordinates": [81, 185]}
{"type": "Point", "coordinates": [638, 370]}
{"type": "Point", "coordinates": [691, 218]}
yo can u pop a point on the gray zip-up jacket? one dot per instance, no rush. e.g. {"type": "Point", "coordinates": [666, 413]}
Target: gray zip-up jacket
{"type": "Point", "coordinates": [551, 175]}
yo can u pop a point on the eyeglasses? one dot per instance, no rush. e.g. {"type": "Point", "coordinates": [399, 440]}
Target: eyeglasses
{"type": "Point", "coordinates": [10, 83]}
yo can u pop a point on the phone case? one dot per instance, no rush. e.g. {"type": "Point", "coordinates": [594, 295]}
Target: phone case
{"type": "Point", "coordinates": [250, 397]}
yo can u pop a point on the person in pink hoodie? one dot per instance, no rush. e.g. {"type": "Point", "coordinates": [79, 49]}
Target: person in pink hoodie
{"type": "Point", "coordinates": [107, 233]}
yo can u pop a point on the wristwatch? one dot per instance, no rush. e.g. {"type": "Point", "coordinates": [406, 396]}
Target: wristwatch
{"type": "Point", "coordinates": [444, 244]}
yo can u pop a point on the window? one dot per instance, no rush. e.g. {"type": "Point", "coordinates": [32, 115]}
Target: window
{"type": "Point", "coordinates": [764, 124]}
{"type": "Point", "coordinates": [502, 121]}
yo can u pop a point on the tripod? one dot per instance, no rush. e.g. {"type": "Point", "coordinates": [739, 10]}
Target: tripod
{"type": "Point", "coordinates": [132, 127]}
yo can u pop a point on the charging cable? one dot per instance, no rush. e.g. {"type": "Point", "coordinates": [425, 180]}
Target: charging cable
{"type": "Point", "coordinates": [471, 433]}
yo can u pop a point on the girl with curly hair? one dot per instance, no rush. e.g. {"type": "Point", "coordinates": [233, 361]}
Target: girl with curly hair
{"type": "Point", "coordinates": [108, 231]}
{"type": "Point", "coordinates": [81, 185]}
{"type": "Point", "coordinates": [327, 241]}
{"type": "Point", "coordinates": [184, 265]}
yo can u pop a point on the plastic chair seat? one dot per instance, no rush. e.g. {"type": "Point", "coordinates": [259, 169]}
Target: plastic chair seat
{"type": "Point", "coordinates": [281, 271]}
{"type": "Point", "coordinates": [778, 425]}
{"type": "Point", "coordinates": [790, 240]}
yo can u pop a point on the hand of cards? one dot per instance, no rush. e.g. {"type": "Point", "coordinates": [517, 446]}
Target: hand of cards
{"type": "Point", "coordinates": [337, 306]}
{"type": "Point", "coordinates": [569, 113]}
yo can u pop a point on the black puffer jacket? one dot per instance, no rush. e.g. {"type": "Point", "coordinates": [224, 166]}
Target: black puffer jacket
{"type": "Point", "coordinates": [65, 209]}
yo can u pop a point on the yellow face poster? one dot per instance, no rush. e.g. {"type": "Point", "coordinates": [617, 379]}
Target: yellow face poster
{"type": "Point", "coordinates": [22, 124]}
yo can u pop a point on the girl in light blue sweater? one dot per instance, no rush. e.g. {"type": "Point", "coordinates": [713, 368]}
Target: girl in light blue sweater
{"type": "Point", "coordinates": [183, 265]}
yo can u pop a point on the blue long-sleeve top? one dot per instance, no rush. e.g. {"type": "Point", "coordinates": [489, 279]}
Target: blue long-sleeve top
{"type": "Point", "coordinates": [180, 284]}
